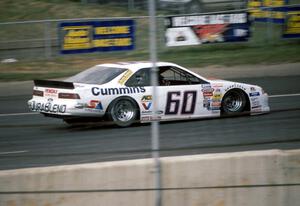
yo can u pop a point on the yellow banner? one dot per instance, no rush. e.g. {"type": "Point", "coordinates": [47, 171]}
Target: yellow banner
{"type": "Point", "coordinates": [112, 30]}
{"type": "Point", "coordinates": [77, 37]}
{"type": "Point", "coordinates": [112, 42]}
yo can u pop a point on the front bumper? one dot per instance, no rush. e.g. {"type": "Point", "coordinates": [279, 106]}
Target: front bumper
{"type": "Point", "coordinates": [260, 105]}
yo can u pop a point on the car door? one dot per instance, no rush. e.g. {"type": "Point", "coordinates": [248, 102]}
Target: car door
{"type": "Point", "coordinates": [181, 94]}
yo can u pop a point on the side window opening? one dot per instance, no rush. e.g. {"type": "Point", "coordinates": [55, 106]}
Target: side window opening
{"type": "Point", "coordinates": [175, 76]}
{"type": "Point", "coordinates": [140, 79]}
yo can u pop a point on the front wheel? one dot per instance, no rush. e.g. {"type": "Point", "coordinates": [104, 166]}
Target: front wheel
{"type": "Point", "coordinates": [234, 102]}
{"type": "Point", "coordinates": [123, 112]}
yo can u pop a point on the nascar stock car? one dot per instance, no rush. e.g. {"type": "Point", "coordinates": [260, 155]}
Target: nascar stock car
{"type": "Point", "coordinates": [122, 93]}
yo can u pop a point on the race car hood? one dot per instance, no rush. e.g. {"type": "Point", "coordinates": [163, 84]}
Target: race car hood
{"type": "Point", "coordinates": [220, 81]}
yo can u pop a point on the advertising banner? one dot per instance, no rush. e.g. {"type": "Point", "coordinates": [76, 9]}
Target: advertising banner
{"type": "Point", "coordinates": [203, 29]}
{"type": "Point", "coordinates": [267, 10]}
{"type": "Point", "coordinates": [291, 27]}
{"type": "Point", "coordinates": [96, 36]}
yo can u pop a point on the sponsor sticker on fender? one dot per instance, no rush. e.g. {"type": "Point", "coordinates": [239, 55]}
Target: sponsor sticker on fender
{"type": "Point", "coordinates": [95, 104]}
{"type": "Point", "coordinates": [147, 102]}
{"type": "Point", "coordinates": [254, 94]}
{"type": "Point", "coordinates": [235, 85]}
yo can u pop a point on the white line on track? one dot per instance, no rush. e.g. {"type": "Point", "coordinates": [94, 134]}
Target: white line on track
{"type": "Point", "coordinates": [284, 95]}
{"type": "Point", "coordinates": [13, 152]}
{"type": "Point", "coordinates": [18, 114]}
{"type": "Point", "coordinates": [32, 113]}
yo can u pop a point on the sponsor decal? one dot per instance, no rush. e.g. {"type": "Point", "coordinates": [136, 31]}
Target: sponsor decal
{"type": "Point", "coordinates": [95, 104]}
{"type": "Point", "coordinates": [159, 112]}
{"type": "Point", "coordinates": [206, 103]}
{"type": "Point", "coordinates": [217, 85]}
{"type": "Point", "coordinates": [96, 91]}
{"type": "Point", "coordinates": [255, 103]}
{"type": "Point", "coordinates": [51, 92]}
{"type": "Point", "coordinates": [252, 89]}
{"type": "Point", "coordinates": [47, 107]}
{"type": "Point", "coordinates": [239, 86]}
{"type": "Point", "coordinates": [256, 107]}
{"type": "Point", "coordinates": [254, 94]}
{"type": "Point", "coordinates": [147, 102]}
{"type": "Point", "coordinates": [147, 98]}
{"type": "Point", "coordinates": [125, 77]}
{"type": "Point", "coordinates": [147, 105]}
{"type": "Point", "coordinates": [207, 89]}
{"type": "Point", "coordinates": [217, 96]}
{"type": "Point", "coordinates": [216, 100]}
{"type": "Point", "coordinates": [205, 86]}
{"type": "Point", "coordinates": [216, 104]}
{"type": "Point", "coordinates": [217, 108]}
{"type": "Point", "coordinates": [208, 94]}
{"type": "Point", "coordinates": [151, 112]}
{"type": "Point", "coordinates": [150, 118]}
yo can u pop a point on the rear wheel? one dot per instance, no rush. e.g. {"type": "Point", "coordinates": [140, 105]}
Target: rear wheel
{"type": "Point", "coordinates": [123, 112]}
{"type": "Point", "coordinates": [234, 102]}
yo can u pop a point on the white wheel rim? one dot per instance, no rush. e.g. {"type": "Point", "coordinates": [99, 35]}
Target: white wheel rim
{"type": "Point", "coordinates": [233, 101]}
{"type": "Point", "coordinates": [124, 110]}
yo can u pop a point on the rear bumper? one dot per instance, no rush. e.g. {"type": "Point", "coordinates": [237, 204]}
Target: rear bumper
{"type": "Point", "coordinates": [63, 109]}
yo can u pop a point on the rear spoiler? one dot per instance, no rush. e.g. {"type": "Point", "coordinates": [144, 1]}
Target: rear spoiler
{"type": "Point", "coordinates": [55, 84]}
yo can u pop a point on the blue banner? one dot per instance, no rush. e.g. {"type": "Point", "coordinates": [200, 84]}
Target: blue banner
{"type": "Point", "coordinates": [267, 11]}
{"type": "Point", "coordinates": [291, 27]}
{"type": "Point", "coordinates": [96, 36]}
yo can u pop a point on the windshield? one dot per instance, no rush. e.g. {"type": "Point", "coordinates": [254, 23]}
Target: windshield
{"type": "Point", "coordinates": [96, 75]}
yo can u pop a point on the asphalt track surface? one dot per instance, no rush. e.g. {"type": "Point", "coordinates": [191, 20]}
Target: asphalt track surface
{"type": "Point", "coordinates": [31, 140]}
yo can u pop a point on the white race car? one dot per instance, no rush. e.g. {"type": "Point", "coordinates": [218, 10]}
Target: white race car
{"type": "Point", "coordinates": [122, 93]}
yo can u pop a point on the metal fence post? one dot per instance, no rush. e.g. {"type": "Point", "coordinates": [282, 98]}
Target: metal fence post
{"type": "Point", "coordinates": [130, 5]}
{"type": "Point", "coordinates": [161, 34]}
{"type": "Point", "coordinates": [270, 23]}
{"type": "Point", "coordinates": [47, 39]}
{"type": "Point", "coordinates": [154, 83]}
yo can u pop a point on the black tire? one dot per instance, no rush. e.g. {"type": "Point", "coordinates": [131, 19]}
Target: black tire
{"type": "Point", "coordinates": [123, 112]}
{"type": "Point", "coordinates": [234, 102]}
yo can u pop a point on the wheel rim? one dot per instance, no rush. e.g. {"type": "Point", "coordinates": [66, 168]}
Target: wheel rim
{"type": "Point", "coordinates": [233, 102]}
{"type": "Point", "coordinates": [124, 111]}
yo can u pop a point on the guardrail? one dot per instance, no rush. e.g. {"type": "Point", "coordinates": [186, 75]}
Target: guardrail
{"type": "Point", "coordinates": [258, 178]}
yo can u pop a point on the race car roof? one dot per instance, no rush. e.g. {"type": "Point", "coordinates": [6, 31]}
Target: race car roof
{"type": "Point", "coordinates": [136, 65]}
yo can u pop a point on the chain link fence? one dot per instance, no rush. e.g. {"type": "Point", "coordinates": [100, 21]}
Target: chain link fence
{"type": "Point", "coordinates": [40, 39]}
